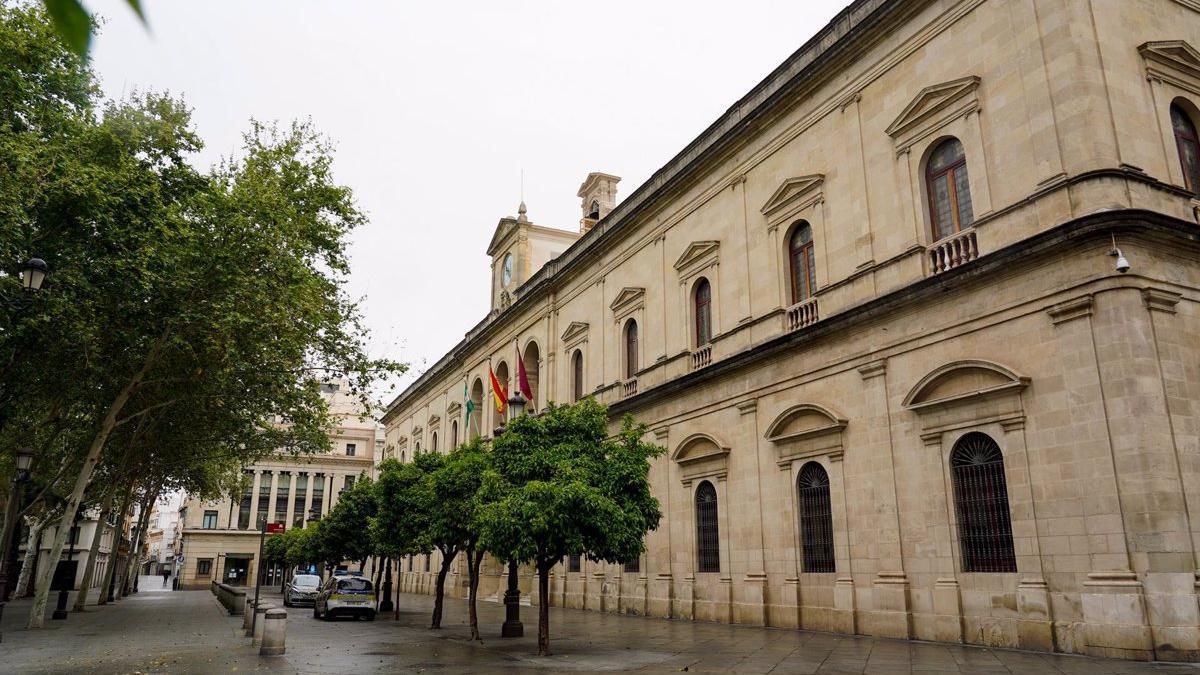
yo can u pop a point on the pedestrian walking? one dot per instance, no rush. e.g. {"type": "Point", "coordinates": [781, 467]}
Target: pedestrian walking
{"type": "Point", "coordinates": [166, 574]}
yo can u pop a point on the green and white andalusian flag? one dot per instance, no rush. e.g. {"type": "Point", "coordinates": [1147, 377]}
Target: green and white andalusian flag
{"type": "Point", "coordinates": [469, 405]}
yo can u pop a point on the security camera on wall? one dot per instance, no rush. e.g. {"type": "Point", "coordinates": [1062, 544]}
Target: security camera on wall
{"type": "Point", "coordinates": [1122, 261]}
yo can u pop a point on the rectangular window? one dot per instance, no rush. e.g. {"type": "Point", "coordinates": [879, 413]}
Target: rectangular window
{"type": "Point", "coordinates": [574, 563]}
{"type": "Point", "coordinates": [298, 514]}
{"type": "Point", "coordinates": [349, 482]}
{"type": "Point", "coordinates": [634, 565]}
{"type": "Point", "coordinates": [350, 449]}
{"type": "Point", "coordinates": [247, 497]}
{"type": "Point", "coordinates": [318, 490]}
{"type": "Point", "coordinates": [204, 567]}
{"type": "Point", "coordinates": [264, 497]}
{"type": "Point", "coordinates": [281, 496]}
{"type": "Point", "coordinates": [210, 520]}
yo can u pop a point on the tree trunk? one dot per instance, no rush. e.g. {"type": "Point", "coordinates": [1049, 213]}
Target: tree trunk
{"type": "Point", "coordinates": [133, 565]}
{"type": "Point", "coordinates": [31, 546]}
{"type": "Point", "coordinates": [440, 591]}
{"type": "Point", "coordinates": [37, 612]}
{"type": "Point", "coordinates": [543, 611]}
{"type": "Point", "coordinates": [474, 558]}
{"type": "Point", "coordinates": [116, 542]}
{"type": "Point", "coordinates": [396, 614]}
{"type": "Point", "coordinates": [89, 569]}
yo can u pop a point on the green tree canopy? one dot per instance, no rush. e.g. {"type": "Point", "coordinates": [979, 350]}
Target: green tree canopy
{"type": "Point", "coordinates": [559, 485]}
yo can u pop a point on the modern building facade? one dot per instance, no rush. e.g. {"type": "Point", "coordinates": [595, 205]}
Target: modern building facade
{"type": "Point", "coordinates": [218, 540]}
{"type": "Point", "coordinates": [916, 321]}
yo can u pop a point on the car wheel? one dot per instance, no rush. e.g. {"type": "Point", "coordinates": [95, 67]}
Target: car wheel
{"type": "Point", "coordinates": [316, 614]}
{"type": "Point", "coordinates": [370, 616]}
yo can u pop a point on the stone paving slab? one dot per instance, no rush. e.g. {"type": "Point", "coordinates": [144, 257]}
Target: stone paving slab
{"type": "Point", "coordinates": [188, 632]}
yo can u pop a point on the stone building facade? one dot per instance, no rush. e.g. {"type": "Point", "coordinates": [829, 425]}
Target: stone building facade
{"type": "Point", "coordinates": [917, 322]}
{"type": "Point", "coordinates": [218, 540]}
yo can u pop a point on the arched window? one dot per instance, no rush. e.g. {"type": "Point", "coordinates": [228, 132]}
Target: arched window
{"type": "Point", "coordinates": [433, 442]}
{"type": "Point", "coordinates": [804, 270]}
{"type": "Point", "coordinates": [981, 504]}
{"type": "Point", "coordinates": [949, 192]}
{"type": "Point", "coordinates": [454, 434]}
{"type": "Point", "coordinates": [703, 312]}
{"type": "Point", "coordinates": [475, 413]}
{"type": "Point", "coordinates": [577, 375]}
{"type": "Point", "coordinates": [631, 349]}
{"type": "Point", "coordinates": [816, 518]}
{"type": "Point", "coordinates": [531, 360]}
{"type": "Point", "coordinates": [708, 544]}
{"type": "Point", "coordinates": [1188, 144]}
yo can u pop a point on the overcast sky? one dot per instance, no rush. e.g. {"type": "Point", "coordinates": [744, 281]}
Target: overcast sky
{"type": "Point", "coordinates": [436, 107]}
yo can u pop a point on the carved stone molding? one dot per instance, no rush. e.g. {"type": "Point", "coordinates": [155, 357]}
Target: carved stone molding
{"type": "Point", "coordinates": [628, 300]}
{"type": "Point", "coordinates": [873, 369]}
{"type": "Point", "coordinates": [697, 257]}
{"type": "Point", "coordinates": [575, 335]}
{"type": "Point", "coordinates": [1160, 300]}
{"type": "Point", "coordinates": [933, 108]}
{"type": "Point", "coordinates": [701, 456]}
{"type": "Point", "coordinates": [792, 196]}
{"type": "Point", "coordinates": [1173, 61]}
{"type": "Point", "coordinates": [1069, 310]}
{"type": "Point", "coordinates": [805, 431]}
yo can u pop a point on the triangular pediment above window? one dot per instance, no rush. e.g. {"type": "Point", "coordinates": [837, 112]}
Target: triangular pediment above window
{"type": "Point", "coordinates": [453, 409]}
{"type": "Point", "coordinates": [793, 192]}
{"type": "Point", "coordinates": [1175, 60]}
{"type": "Point", "coordinates": [575, 332]}
{"type": "Point", "coordinates": [628, 297]}
{"type": "Point", "coordinates": [434, 421]}
{"type": "Point", "coordinates": [933, 106]}
{"type": "Point", "coordinates": [697, 251]}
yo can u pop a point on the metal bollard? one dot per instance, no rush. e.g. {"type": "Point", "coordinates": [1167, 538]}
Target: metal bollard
{"type": "Point", "coordinates": [248, 618]}
{"type": "Point", "coordinates": [259, 612]}
{"type": "Point", "coordinates": [273, 633]}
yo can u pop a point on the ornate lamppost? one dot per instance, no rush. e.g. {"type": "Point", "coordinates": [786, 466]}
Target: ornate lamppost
{"type": "Point", "coordinates": [33, 273]}
{"type": "Point", "coordinates": [512, 626]}
{"type": "Point", "coordinates": [24, 461]}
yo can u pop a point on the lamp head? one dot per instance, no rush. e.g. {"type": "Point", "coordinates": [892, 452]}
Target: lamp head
{"type": "Point", "coordinates": [33, 273]}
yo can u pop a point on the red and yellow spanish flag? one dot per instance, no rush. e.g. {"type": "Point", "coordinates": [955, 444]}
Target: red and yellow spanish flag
{"type": "Point", "coordinates": [498, 394]}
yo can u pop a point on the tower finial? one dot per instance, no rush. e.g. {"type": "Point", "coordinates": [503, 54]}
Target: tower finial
{"type": "Point", "coordinates": [521, 210]}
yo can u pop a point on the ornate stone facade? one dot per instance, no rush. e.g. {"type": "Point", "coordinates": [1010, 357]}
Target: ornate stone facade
{"type": "Point", "coordinates": [907, 232]}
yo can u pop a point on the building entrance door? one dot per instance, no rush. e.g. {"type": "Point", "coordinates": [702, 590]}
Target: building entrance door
{"type": "Point", "coordinates": [237, 569]}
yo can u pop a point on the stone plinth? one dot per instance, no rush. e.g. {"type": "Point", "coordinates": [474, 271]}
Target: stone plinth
{"type": "Point", "coordinates": [1114, 611]}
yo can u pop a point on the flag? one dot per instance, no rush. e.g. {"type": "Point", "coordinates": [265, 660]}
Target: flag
{"type": "Point", "coordinates": [498, 393]}
{"type": "Point", "coordinates": [469, 405]}
{"type": "Point", "coordinates": [522, 379]}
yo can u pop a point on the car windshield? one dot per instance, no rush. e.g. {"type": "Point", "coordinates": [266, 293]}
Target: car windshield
{"type": "Point", "coordinates": [354, 584]}
{"type": "Point", "coordinates": [307, 580]}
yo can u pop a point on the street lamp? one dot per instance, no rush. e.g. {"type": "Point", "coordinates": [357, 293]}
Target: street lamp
{"type": "Point", "coordinates": [8, 553]}
{"type": "Point", "coordinates": [512, 626]}
{"type": "Point", "coordinates": [33, 273]}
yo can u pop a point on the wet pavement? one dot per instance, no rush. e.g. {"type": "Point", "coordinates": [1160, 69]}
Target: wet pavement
{"type": "Point", "coordinates": [165, 631]}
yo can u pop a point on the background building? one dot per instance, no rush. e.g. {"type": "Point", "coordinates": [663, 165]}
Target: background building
{"type": "Point", "coordinates": [915, 320]}
{"type": "Point", "coordinates": [219, 539]}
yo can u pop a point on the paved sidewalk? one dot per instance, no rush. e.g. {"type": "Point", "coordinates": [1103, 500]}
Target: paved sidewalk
{"type": "Point", "coordinates": [188, 632]}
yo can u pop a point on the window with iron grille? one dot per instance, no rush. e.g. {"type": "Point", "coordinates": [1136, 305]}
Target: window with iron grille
{"type": "Point", "coordinates": [707, 540]}
{"type": "Point", "coordinates": [634, 565]}
{"type": "Point", "coordinates": [816, 519]}
{"type": "Point", "coordinates": [981, 504]}
{"type": "Point", "coordinates": [574, 562]}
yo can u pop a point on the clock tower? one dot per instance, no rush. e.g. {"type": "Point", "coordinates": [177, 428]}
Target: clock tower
{"type": "Point", "coordinates": [518, 249]}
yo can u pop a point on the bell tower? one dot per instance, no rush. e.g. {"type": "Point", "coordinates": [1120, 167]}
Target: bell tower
{"type": "Point", "coordinates": [598, 195]}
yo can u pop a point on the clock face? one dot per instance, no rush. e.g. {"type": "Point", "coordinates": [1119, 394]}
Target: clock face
{"type": "Point", "coordinates": [506, 271]}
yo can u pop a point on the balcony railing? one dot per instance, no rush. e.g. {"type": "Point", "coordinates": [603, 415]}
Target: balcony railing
{"type": "Point", "coordinates": [802, 314]}
{"type": "Point", "coordinates": [629, 387]}
{"type": "Point", "coordinates": [950, 252]}
{"type": "Point", "coordinates": [701, 356]}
